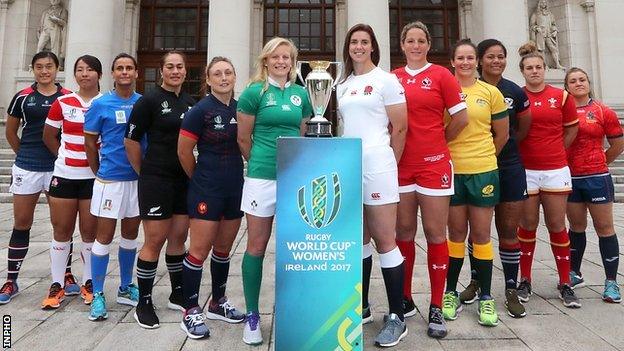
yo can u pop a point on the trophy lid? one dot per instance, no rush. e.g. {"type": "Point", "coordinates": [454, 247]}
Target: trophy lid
{"type": "Point", "coordinates": [318, 64]}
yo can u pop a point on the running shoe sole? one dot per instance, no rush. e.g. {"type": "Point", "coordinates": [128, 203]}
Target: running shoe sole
{"type": "Point", "coordinates": [457, 310]}
{"type": "Point", "coordinates": [468, 302]}
{"type": "Point", "coordinates": [72, 293]}
{"type": "Point", "coordinates": [525, 299]}
{"type": "Point", "coordinates": [488, 325]}
{"type": "Point", "coordinates": [394, 343]}
{"type": "Point", "coordinates": [145, 326]}
{"type": "Point", "coordinates": [174, 306]}
{"type": "Point", "coordinates": [513, 315]}
{"type": "Point", "coordinates": [218, 317]}
{"type": "Point", "coordinates": [410, 313]}
{"type": "Point", "coordinates": [252, 343]}
{"type": "Point", "coordinates": [610, 300]}
{"type": "Point", "coordinates": [52, 307]}
{"type": "Point", "coordinates": [126, 301]}
{"type": "Point", "coordinates": [98, 318]}
{"type": "Point", "coordinates": [192, 336]}
{"type": "Point", "coordinates": [10, 298]}
{"type": "Point", "coordinates": [579, 285]}
{"type": "Point", "coordinates": [571, 304]}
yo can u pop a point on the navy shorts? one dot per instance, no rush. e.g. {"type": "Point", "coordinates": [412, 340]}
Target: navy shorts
{"type": "Point", "coordinates": [513, 184]}
{"type": "Point", "coordinates": [595, 189]}
{"type": "Point", "coordinates": [63, 188]}
{"type": "Point", "coordinates": [161, 198]}
{"type": "Point", "coordinates": [210, 208]}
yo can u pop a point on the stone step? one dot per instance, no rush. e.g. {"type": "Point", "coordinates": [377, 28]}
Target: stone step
{"type": "Point", "coordinates": [5, 170]}
{"type": "Point", "coordinates": [8, 162]}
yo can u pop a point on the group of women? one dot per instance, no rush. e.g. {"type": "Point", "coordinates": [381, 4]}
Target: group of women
{"type": "Point", "coordinates": [464, 149]}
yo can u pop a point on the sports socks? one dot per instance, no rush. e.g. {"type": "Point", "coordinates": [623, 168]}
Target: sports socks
{"type": "Point", "coordinates": [473, 271]}
{"type": "Point", "coordinates": [560, 245]}
{"type": "Point", "coordinates": [527, 240]}
{"type": "Point", "coordinates": [483, 258]}
{"type": "Point", "coordinates": [367, 267]}
{"type": "Point", "coordinates": [391, 264]}
{"type": "Point", "coordinates": [456, 261]}
{"type": "Point", "coordinates": [510, 258]}
{"type": "Point", "coordinates": [192, 274]}
{"type": "Point", "coordinates": [408, 250]}
{"type": "Point", "coordinates": [146, 272]}
{"type": "Point", "coordinates": [252, 280]}
{"type": "Point", "coordinates": [219, 270]}
{"type": "Point", "coordinates": [85, 255]}
{"type": "Point", "coordinates": [437, 263]}
{"type": "Point", "coordinates": [174, 266]}
{"type": "Point", "coordinates": [578, 241]}
{"type": "Point", "coordinates": [610, 253]}
{"type": "Point", "coordinates": [127, 254]}
{"type": "Point", "coordinates": [99, 265]}
{"type": "Point", "coordinates": [18, 248]}
{"type": "Point", "coordinates": [59, 252]}
{"type": "Point", "coordinates": [69, 257]}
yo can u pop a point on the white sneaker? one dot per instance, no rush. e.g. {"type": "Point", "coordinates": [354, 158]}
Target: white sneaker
{"type": "Point", "coordinates": [252, 334]}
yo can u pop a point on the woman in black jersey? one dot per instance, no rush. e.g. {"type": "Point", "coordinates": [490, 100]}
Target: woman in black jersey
{"type": "Point", "coordinates": [214, 195]}
{"type": "Point", "coordinates": [162, 183]}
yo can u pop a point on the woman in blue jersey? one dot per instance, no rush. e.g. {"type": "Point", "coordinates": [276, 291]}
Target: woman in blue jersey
{"type": "Point", "coordinates": [214, 195]}
{"type": "Point", "coordinates": [34, 163]}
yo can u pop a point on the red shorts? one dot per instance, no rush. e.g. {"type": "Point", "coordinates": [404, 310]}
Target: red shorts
{"type": "Point", "coordinates": [434, 179]}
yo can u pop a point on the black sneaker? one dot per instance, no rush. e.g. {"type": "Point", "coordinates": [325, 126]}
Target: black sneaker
{"type": "Point", "coordinates": [437, 326]}
{"type": "Point", "coordinates": [367, 316]}
{"type": "Point", "coordinates": [566, 294]}
{"type": "Point", "coordinates": [145, 315]}
{"type": "Point", "coordinates": [176, 299]}
{"type": "Point", "coordinates": [193, 324]}
{"type": "Point", "coordinates": [409, 308]}
{"type": "Point", "coordinates": [524, 290]}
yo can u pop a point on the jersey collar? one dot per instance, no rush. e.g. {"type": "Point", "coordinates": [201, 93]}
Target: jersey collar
{"type": "Point", "coordinates": [414, 72]}
{"type": "Point", "coordinates": [274, 83]}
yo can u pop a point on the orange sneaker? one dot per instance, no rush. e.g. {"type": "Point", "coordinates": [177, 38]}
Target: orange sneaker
{"type": "Point", "coordinates": [56, 294]}
{"type": "Point", "coordinates": [86, 292]}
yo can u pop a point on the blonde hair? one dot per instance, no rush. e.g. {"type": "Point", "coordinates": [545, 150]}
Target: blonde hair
{"type": "Point", "coordinates": [262, 72]}
{"type": "Point", "coordinates": [529, 50]}
{"type": "Point", "coordinates": [415, 25]}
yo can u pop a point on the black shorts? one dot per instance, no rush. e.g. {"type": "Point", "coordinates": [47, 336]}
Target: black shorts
{"type": "Point", "coordinates": [513, 184]}
{"type": "Point", "coordinates": [161, 198]}
{"type": "Point", "coordinates": [63, 188]}
{"type": "Point", "coordinates": [596, 189]}
{"type": "Point", "coordinates": [211, 208]}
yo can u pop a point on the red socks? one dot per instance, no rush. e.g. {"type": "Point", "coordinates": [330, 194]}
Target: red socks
{"type": "Point", "coordinates": [437, 263]}
{"type": "Point", "coordinates": [527, 248]}
{"type": "Point", "coordinates": [408, 250]}
{"type": "Point", "coordinates": [560, 245]}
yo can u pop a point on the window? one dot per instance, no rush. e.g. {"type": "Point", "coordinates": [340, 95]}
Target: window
{"type": "Point", "coordinates": [440, 16]}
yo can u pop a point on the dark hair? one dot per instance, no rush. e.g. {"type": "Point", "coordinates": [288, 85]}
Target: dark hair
{"type": "Point", "coordinates": [124, 55]}
{"type": "Point", "coordinates": [484, 45]}
{"type": "Point", "coordinates": [574, 70]}
{"type": "Point", "coordinates": [45, 54]}
{"type": "Point", "coordinates": [215, 60]}
{"type": "Point", "coordinates": [348, 62]}
{"type": "Point", "coordinates": [462, 42]}
{"type": "Point", "coordinates": [529, 50]}
{"type": "Point", "coordinates": [163, 58]}
{"type": "Point", "coordinates": [92, 62]}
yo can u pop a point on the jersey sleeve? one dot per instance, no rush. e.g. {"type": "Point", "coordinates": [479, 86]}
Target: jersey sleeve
{"type": "Point", "coordinates": [94, 118]}
{"type": "Point", "coordinates": [568, 109]}
{"type": "Point", "coordinates": [498, 106]}
{"type": "Point", "coordinates": [306, 106]}
{"type": "Point", "coordinates": [249, 101]}
{"type": "Point", "coordinates": [55, 115]}
{"type": "Point", "coordinates": [393, 92]}
{"type": "Point", "coordinates": [612, 127]}
{"type": "Point", "coordinates": [193, 123]}
{"type": "Point", "coordinates": [451, 93]}
{"type": "Point", "coordinates": [15, 107]}
{"type": "Point", "coordinates": [521, 101]}
{"type": "Point", "coordinates": [140, 120]}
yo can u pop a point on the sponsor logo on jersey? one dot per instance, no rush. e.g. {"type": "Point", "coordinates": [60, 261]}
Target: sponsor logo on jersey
{"type": "Point", "coordinates": [165, 108]}
{"type": "Point", "coordinates": [602, 198]}
{"type": "Point", "coordinates": [131, 129]}
{"type": "Point", "coordinates": [19, 180]}
{"type": "Point", "coordinates": [218, 123]}
{"type": "Point", "coordinates": [286, 108]}
{"type": "Point", "coordinates": [108, 205]}
{"type": "Point", "coordinates": [426, 83]}
{"type": "Point", "coordinates": [73, 113]}
{"type": "Point", "coordinates": [376, 196]}
{"type": "Point", "coordinates": [182, 116]}
{"type": "Point", "coordinates": [202, 208]}
{"type": "Point", "coordinates": [436, 267]}
{"type": "Point", "coordinates": [537, 103]}
{"type": "Point", "coordinates": [410, 81]}
{"type": "Point", "coordinates": [368, 89]}
{"type": "Point", "coordinates": [509, 102]}
{"type": "Point", "coordinates": [321, 214]}
{"type": "Point", "coordinates": [270, 100]}
{"type": "Point", "coordinates": [233, 121]}
{"type": "Point", "coordinates": [353, 92]}
{"type": "Point", "coordinates": [31, 101]}
{"type": "Point", "coordinates": [254, 204]}
{"type": "Point", "coordinates": [120, 116]}
{"type": "Point", "coordinates": [296, 100]}
{"type": "Point", "coordinates": [153, 211]}
{"type": "Point", "coordinates": [488, 190]}
{"type": "Point", "coordinates": [481, 102]}
{"type": "Point", "coordinates": [46, 103]}
{"type": "Point", "coordinates": [433, 158]}
{"type": "Point", "coordinates": [553, 102]}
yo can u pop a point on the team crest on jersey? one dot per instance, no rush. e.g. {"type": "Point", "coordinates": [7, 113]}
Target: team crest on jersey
{"type": "Point", "coordinates": [353, 92]}
{"type": "Point", "coordinates": [426, 83]}
{"type": "Point", "coordinates": [131, 129]}
{"type": "Point", "coordinates": [218, 123]}
{"type": "Point", "coordinates": [165, 108]}
{"type": "Point", "coordinates": [463, 96]}
{"type": "Point", "coordinates": [271, 100]}
{"type": "Point", "coordinates": [72, 113]}
{"type": "Point", "coordinates": [54, 183]}
{"type": "Point", "coordinates": [488, 190]}
{"type": "Point", "coordinates": [18, 180]}
{"type": "Point", "coordinates": [296, 100]}
{"type": "Point", "coordinates": [445, 180]}
{"type": "Point", "coordinates": [202, 208]}
{"type": "Point", "coordinates": [368, 90]}
{"type": "Point", "coordinates": [108, 204]}
{"type": "Point", "coordinates": [31, 101]}
{"type": "Point", "coordinates": [552, 102]}
{"type": "Point", "coordinates": [590, 117]}
{"type": "Point", "coordinates": [509, 102]}
{"type": "Point", "coordinates": [481, 102]}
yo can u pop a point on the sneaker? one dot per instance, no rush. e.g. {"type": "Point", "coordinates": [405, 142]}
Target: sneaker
{"type": "Point", "coordinates": [129, 296]}
{"type": "Point", "coordinates": [514, 307]}
{"type": "Point", "coordinates": [471, 293]}
{"type": "Point", "coordinates": [56, 295]}
{"type": "Point", "coordinates": [409, 308]}
{"type": "Point", "coordinates": [252, 334]}
{"type": "Point", "coordinates": [437, 326]}
{"type": "Point", "coordinates": [611, 292]}
{"type": "Point", "coordinates": [193, 324]}
{"type": "Point", "coordinates": [524, 290]}
{"type": "Point", "coordinates": [176, 299]}
{"type": "Point", "coordinates": [8, 291]}
{"type": "Point", "coordinates": [576, 280]}
{"type": "Point", "coordinates": [451, 305]}
{"type": "Point", "coordinates": [487, 313]}
{"type": "Point", "coordinates": [98, 307]}
{"type": "Point", "coordinates": [392, 332]}
{"type": "Point", "coordinates": [367, 316]}
{"type": "Point", "coordinates": [224, 311]}
{"type": "Point", "coordinates": [145, 316]}
{"type": "Point", "coordinates": [566, 294]}
{"type": "Point", "coordinates": [86, 292]}
{"type": "Point", "coordinates": [71, 287]}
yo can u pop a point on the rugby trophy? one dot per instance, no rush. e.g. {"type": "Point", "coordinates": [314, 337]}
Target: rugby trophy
{"type": "Point", "coordinates": [319, 84]}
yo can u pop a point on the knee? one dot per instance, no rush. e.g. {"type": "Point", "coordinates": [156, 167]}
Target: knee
{"type": "Point", "coordinates": [604, 229]}
{"type": "Point", "coordinates": [153, 244]}
{"type": "Point", "coordinates": [406, 231]}
{"type": "Point", "coordinates": [555, 225]}
{"type": "Point", "coordinates": [256, 246]}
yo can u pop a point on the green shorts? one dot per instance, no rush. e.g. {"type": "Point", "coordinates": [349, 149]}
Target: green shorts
{"type": "Point", "coordinates": [480, 189]}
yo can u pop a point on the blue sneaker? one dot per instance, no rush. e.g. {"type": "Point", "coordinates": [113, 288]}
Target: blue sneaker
{"type": "Point", "coordinates": [8, 291]}
{"type": "Point", "coordinates": [71, 287]}
{"type": "Point", "coordinates": [129, 296]}
{"type": "Point", "coordinates": [576, 280]}
{"type": "Point", "coordinates": [194, 325]}
{"type": "Point", "coordinates": [98, 307]}
{"type": "Point", "coordinates": [611, 292]}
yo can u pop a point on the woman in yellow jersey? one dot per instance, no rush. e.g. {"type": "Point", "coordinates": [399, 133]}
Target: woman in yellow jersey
{"type": "Point", "coordinates": [476, 181]}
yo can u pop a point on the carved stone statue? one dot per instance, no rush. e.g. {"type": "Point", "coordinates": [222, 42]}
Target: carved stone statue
{"type": "Point", "coordinates": [52, 29]}
{"type": "Point", "coordinates": [544, 33]}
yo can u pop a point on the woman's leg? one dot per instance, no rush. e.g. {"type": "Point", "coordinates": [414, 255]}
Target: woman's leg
{"type": "Point", "coordinates": [407, 223]}
{"type": "Point", "coordinates": [435, 214]}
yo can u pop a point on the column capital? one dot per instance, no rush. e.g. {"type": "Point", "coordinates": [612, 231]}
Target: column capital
{"type": "Point", "coordinates": [4, 4]}
{"type": "Point", "coordinates": [588, 5]}
{"type": "Point", "coordinates": [132, 3]}
{"type": "Point", "coordinates": [466, 5]}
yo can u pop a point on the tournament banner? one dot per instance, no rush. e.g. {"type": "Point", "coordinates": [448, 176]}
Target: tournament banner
{"type": "Point", "coordinates": [318, 258]}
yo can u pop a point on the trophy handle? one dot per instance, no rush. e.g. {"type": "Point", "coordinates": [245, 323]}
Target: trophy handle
{"type": "Point", "coordinates": [339, 70]}
{"type": "Point", "coordinates": [299, 65]}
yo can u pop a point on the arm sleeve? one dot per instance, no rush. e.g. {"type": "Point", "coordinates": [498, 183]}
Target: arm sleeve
{"type": "Point", "coordinates": [249, 101]}
{"type": "Point", "coordinates": [193, 123]}
{"type": "Point", "coordinates": [140, 120]}
{"type": "Point", "coordinates": [612, 127]}
{"type": "Point", "coordinates": [306, 107]}
{"type": "Point", "coordinates": [15, 107]}
{"type": "Point", "coordinates": [55, 115]}
{"type": "Point", "coordinates": [451, 93]}
{"type": "Point", "coordinates": [568, 109]}
{"type": "Point", "coordinates": [521, 101]}
{"type": "Point", "coordinates": [393, 92]}
{"type": "Point", "coordinates": [93, 119]}
{"type": "Point", "coordinates": [498, 106]}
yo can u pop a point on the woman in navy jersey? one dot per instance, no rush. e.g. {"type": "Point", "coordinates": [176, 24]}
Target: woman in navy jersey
{"type": "Point", "coordinates": [34, 163]}
{"type": "Point", "coordinates": [214, 196]}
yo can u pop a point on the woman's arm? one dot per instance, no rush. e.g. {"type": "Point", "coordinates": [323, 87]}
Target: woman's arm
{"type": "Point", "coordinates": [245, 129]}
{"type": "Point", "coordinates": [569, 134]}
{"type": "Point", "coordinates": [458, 122]}
{"type": "Point", "coordinates": [397, 114]}
{"type": "Point", "coordinates": [500, 132]}
{"type": "Point", "coordinates": [11, 128]}
{"type": "Point", "coordinates": [93, 155]}
{"type": "Point", "coordinates": [524, 124]}
{"type": "Point", "coordinates": [50, 139]}
{"type": "Point", "coordinates": [616, 146]}
{"type": "Point", "coordinates": [133, 150]}
{"type": "Point", "coordinates": [185, 154]}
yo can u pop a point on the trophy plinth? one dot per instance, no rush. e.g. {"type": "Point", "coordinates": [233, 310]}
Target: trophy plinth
{"type": "Point", "coordinates": [319, 84]}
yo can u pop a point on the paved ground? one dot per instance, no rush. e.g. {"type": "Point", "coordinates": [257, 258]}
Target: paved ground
{"type": "Point", "coordinates": [548, 325]}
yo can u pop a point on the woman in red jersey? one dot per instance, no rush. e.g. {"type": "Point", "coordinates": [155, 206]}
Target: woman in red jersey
{"type": "Point", "coordinates": [592, 186]}
{"type": "Point", "coordinates": [553, 128]}
{"type": "Point", "coordinates": [425, 168]}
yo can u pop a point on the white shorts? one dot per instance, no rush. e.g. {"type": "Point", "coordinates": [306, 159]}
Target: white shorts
{"type": "Point", "coordinates": [116, 200]}
{"type": "Point", "coordinates": [556, 181]}
{"type": "Point", "coordinates": [380, 188]}
{"type": "Point", "coordinates": [259, 197]}
{"type": "Point", "coordinates": [25, 182]}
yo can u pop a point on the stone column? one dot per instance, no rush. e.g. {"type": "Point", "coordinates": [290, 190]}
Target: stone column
{"type": "Point", "coordinates": [376, 14]}
{"type": "Point", "coordinates": [497, 20]}
{"type": "Point", "coordinates": [610, 44]}
{"type": "Point", "coordinates": [588, 6]}
{"type": "Point", "coordinates": [96, 28]}
{"type": "Point", "coordinates": [131, 32]}
{"type": "Point", "coordinates": [465, 19]}
{"type": "Point", "coordinates": [229, 31]}
{"type": "Point", "coordinates": [4, 8]}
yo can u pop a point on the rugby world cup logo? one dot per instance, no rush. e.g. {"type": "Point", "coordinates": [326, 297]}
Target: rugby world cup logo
{"type": "Point", "coordinates": [323, 214]}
